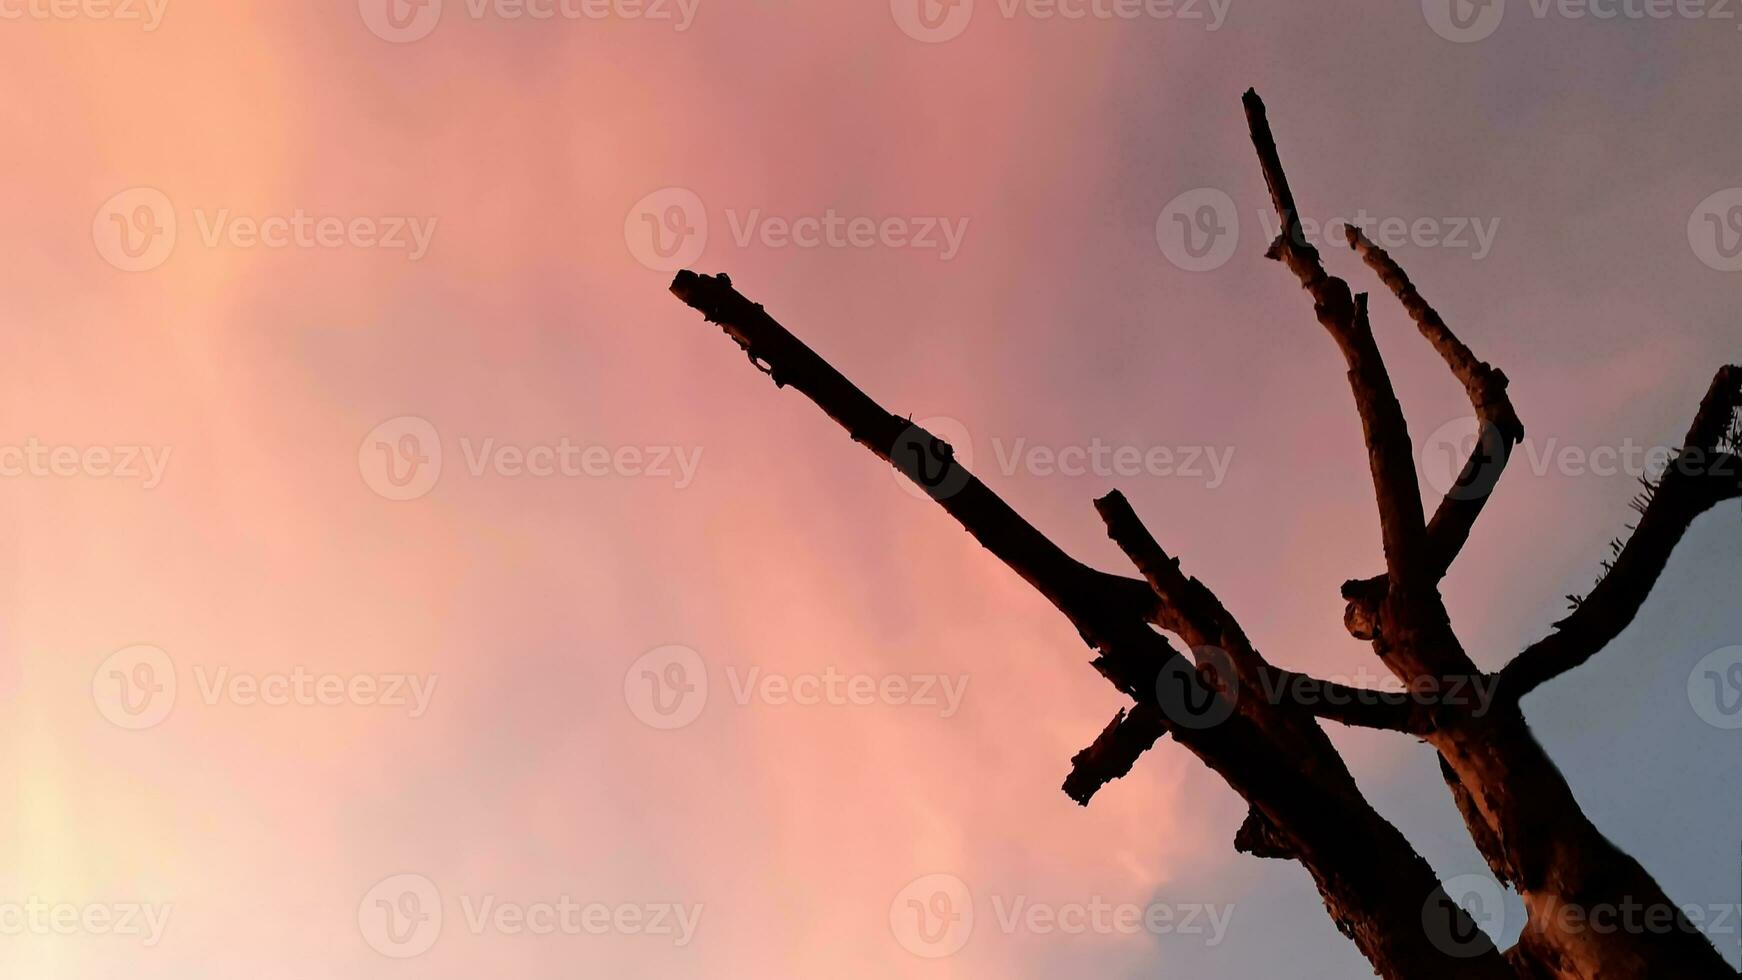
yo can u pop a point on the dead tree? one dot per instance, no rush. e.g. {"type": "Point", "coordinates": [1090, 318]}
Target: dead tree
{"type": "Point", "coordinates": [1257, 725]}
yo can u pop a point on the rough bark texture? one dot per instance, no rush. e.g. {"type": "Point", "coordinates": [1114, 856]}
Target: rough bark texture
{"type": "Point", "coordinates": [1257, 725]}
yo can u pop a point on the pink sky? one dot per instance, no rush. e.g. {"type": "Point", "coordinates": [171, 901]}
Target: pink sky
{"type": "Point", "coordinates": [523, 149]}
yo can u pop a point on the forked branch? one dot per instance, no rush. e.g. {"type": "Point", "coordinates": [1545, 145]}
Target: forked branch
{"type": "Point", "coordinates": [1498, 431]}
{"type": "Point", "coordinates": [1189, 609]}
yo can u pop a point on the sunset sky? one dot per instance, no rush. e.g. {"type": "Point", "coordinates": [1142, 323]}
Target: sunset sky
{"type": "Point", "coordinates": [341, 389]}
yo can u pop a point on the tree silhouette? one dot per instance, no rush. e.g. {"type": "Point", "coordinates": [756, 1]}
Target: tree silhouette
{"type": "Point", "coordinates": [1594, 913]}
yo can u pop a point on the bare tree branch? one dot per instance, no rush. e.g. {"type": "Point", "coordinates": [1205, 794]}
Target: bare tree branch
{"type": "Point", "coordinates": [1700, 476]}
{"type": "Point", "coordinates": [1257, 726]}
{"type": "Point", "coordinates": [1189, 609]}
{"type": "Point", "coordinates": [1371, 880]}
{"type": "Point", "coordinates": [1114, 751]}
{"type": "Point", "coordinates": [1344, 316]}
{"type": "Point", "coordinates": [1499, 430]}
{"type": "Point", "coordinates": [923, 457]}
{"type": "Point", "coordinates": [1513, 797]}
{"type": "Point", "coordinates": [1356, 707]}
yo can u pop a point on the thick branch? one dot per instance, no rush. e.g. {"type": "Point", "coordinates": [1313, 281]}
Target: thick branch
{"type": "Point", "coordinates": [1700, 477]}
